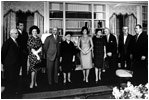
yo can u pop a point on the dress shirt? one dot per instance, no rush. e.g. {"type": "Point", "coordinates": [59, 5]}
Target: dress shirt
{"type": "Point", "coordinates": [20, 31]}
{"type": "Point", "coordinates": [125, 37]}
{"type": "Point", "coordinates": [55, 36]}
{"type": "Point", "coordinates": [108, 37]}
{"type": "Point", "coordinates": [137, 35]}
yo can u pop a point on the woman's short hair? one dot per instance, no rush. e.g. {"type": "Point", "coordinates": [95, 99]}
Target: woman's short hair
{"type": "Point", "coordinates": [34, 27]}
{"type": "Point", "coordinates": [84, 28]}
{"type": "Point", "coordinates": [96, 31]}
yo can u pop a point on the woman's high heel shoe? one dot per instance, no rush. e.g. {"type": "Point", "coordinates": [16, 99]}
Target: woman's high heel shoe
{"type": "Point", "coordinates": [36, 84]}
{"type": "Point", "coordinates": [31, 86]}
{"type": "Point", "coordinates": [86, 81]}
{"type": "Point", "coordinates": [69, 80]}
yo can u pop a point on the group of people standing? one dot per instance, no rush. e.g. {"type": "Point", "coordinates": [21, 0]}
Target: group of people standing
{"type": "Point", "coordinates": [129, 53]}
{"type": "Point", "coordinates": [95, 50]}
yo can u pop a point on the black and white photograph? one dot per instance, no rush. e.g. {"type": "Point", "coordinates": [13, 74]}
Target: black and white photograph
{"type": "Point", "coordinates": [74, 49]}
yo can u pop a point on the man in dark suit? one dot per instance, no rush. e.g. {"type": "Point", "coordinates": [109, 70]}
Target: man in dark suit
{"type": "Point", "coordinates": [52, 50]}
{"type": "Point", "coordinates": [10, 56]}
{"type": "Point", "coordinates": [140, 56]}
{"type": "Point", "coordinates": [125, 47]}
{"type": "Point", "coordinates": [22, 41]}
{"type": "Point", "coordinates": [111, 51]}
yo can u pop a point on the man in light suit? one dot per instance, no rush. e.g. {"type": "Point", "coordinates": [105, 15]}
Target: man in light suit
{"type": "Point", "coordinates": [125, 47]}
{"type": "Point", "coordinates": [52, 51]}
{"type": "Point", "coordinates": [10, 56]}
{"type": "Point", "coordinates": [140, 56]}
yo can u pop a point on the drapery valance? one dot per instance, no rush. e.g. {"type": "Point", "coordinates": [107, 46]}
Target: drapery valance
{"type": "Point", "coordinates": [24, 6]}
{"type": "Point", "coordinates": [12, 7]}
{"type": "Point", "coordinates": [122, 9]}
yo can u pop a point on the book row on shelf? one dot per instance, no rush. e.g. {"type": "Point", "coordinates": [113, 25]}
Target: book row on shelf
{"type": "Point", "coordinates": [77, 24]}
{"type": "Point", "coordinates": [56, 23]}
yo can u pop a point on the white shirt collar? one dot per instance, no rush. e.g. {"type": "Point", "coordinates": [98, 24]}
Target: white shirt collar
{"type": "Point", "coordinates": [68, 41]}
{"type": "Point", "coordinates": [108, 37]}
{"type": "Point", "coordinates": [13, 39]}
{"type": "Point", "coordinates": [20, 31]}
{"type": "Point", "coordinates": [139, 33]}
{"type": "Point", "coordinates": [125, 36]}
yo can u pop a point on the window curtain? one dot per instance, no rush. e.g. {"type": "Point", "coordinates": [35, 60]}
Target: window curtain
{"type": "Point", "coordinates": [131, 22]}
{"type": "Point", "coordinates": [9, 23]}
{"type": "Point", "coordinates": [39, 21]}
{"type": "Point", "coordinates": [113, 26]}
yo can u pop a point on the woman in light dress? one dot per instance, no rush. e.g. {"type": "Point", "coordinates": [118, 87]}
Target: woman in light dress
{"type": "Point", "coordinates": [85, 45]}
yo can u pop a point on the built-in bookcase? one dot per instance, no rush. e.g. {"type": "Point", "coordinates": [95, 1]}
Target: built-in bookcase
{"type": "Point", "coordinates": [99, 16]}
{"type": "Point", "coordinates": [144, 17]}
{"type": "Point", "coordinates": [73, 16]}
{"type": "Point", "coordinates": [77, 16]}
{"type": "Point", "coordinates": [56, 15]}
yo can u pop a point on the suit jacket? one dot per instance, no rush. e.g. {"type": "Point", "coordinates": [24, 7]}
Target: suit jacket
{"type": "Point", "coordinates": [10, 54]}
{"type": "Point", "coordinates": [52, 47]}
{"type": "Point", "coordinates": [22, 41]}
{"type": "Point", "coordinates": [125, 50]}
{"type": "Point", "coordinates": [141, 46]}
{"type": "Point", "coordinates": [111, 46]}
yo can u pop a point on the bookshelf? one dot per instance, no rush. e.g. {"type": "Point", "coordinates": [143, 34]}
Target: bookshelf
{"type": "Point", "coordinates": [73, 16]}
{"type": "Point", "coordinates": [55, 15]}
{"type": "Point", "coordinates": [77, 24]}
{"type": "Point", "coordinates": [77, 16]}
{"type": "Point", "coordinates": [144, 18]}
{"type": "Point", "coordinates": [99, 16]}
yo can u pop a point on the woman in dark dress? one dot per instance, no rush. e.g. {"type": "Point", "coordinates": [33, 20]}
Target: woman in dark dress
{"type": "Point", "coordinates": [35, 52]}
{"type": "Point", "coordinates": [99, 53]}
{"type": "Point", "coordinates": [67, 56]}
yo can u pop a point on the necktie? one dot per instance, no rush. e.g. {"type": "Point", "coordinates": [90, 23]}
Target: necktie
{"type": "Point", "coordinates": [137, 37]}
{"type": "Point", "coordinates": [55, 37]}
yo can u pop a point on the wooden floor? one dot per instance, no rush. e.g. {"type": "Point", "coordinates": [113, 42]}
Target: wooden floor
{"type": "Point", "coordinates": [68, 93]}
